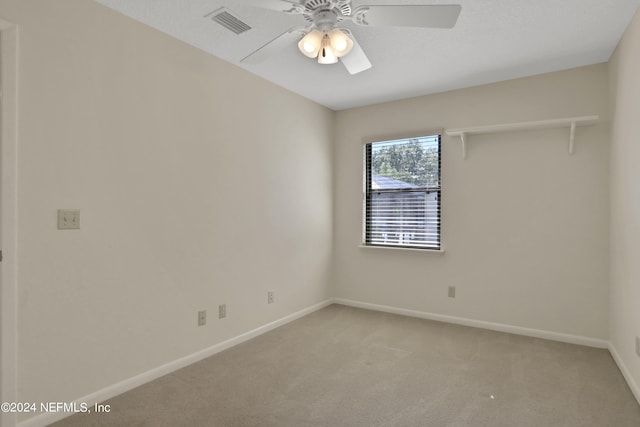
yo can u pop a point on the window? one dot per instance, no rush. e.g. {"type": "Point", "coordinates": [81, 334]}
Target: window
{"type": "Point", "coordinates": [402, 193]}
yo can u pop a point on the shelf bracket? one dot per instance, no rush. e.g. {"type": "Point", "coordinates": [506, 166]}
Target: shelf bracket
{"type": "Point", "coordinates": [571, 122]}
{"type": "Point", "coordinates": [572, 137]}
{"type": "Point", "coordinates": [463, 139]}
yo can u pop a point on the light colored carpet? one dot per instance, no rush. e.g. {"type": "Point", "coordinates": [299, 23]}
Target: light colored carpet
{"type": "Point", "coordinates": [344, 366]}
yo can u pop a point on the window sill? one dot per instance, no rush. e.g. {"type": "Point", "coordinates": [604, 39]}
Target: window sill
{"type": "Point", "coordinates": [402, 249]}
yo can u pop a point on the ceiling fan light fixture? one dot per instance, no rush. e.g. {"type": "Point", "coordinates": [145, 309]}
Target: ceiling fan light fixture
{"type": "Point", "coordinates": [326, 54]}
{"type": "Point", "coordinates": [324, 41]}
{"type": "Point", "coordinates": [311, 43]}
{"type": "Point", "coordinates": [340, 42]}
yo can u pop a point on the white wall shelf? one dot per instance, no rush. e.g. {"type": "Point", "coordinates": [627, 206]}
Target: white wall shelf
{"type": "Point", "coordinates": [570, 122]}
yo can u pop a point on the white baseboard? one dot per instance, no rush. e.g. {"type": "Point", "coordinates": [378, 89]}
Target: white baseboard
{"type": "Point", "coordinates": [536, 333]}
{"type": "Point", "coordinates": [133, 382]}
{"type": "Point", "coordinates": [633, 385]}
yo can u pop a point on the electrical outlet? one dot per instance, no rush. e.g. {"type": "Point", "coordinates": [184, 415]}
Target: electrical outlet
{"type": "Point", "coordinates": [222, 311]}
{"type": "Point", "coordinates": [452, 291]}
{"type": "Point", "coordinates": [270, 296]}
{"type": "Point", "coordinates": [202, 317]}
{"type": "Point", "coordinates": [638, 346]}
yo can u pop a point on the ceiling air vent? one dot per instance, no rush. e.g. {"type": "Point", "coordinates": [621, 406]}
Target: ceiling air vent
{"type": "Point", "coordinates": [228, 20]}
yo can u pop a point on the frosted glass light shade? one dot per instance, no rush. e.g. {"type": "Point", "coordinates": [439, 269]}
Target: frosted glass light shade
{"type": "Point", "coordinates": [340, 42]}
{"type": "Point", "coordinates": [311, 43]}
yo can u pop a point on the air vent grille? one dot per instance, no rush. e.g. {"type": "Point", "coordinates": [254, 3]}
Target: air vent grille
{"type": "Point", "coordinates": [229, 20]}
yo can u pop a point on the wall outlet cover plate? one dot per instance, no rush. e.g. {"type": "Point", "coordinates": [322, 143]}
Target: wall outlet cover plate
{"type": "Point", "coordinates": [222, 311]}
{"type": "Point", "coordinates": [202, 318]}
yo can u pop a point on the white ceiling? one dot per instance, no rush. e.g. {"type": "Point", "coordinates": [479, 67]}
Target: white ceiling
{"type": "Point", "coordinates": [493, 40]}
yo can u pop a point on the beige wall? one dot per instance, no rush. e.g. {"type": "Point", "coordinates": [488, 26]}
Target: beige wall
{"type": "Point", "coordinates": [525, 225]}
{"type": "Point", "coordinates": [625, 200]}
{"type": "Point", "coordinates": [198, 184]}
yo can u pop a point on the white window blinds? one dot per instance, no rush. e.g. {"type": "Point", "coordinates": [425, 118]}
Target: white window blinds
{"type": "Point", "coordinates": [402, 193]}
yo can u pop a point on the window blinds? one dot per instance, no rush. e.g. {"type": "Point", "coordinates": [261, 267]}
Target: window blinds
{"type": "Point", "coordinates": [402, 193]}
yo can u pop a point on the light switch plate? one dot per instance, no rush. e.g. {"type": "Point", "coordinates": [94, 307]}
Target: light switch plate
{"type": "Point", "coordinates": [68, 219]}
{"type": "Point", "coordinates": [638, 346]}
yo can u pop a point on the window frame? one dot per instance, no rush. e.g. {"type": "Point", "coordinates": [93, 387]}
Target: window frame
{"type": "Point", "coordinates": [366, 194]}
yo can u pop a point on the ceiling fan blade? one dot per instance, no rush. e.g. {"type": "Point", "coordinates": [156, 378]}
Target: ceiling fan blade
{"type": "Point", "coordinates": [356, 61]}
{"type": "Point", "coordinates": [277, 5]}
{"type": "Point", "coordinates": [288, 38]}
{"type": "Point", "coordinates": [419, 16]}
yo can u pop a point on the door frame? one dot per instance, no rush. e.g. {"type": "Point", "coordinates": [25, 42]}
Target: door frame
{"type": "Point", "coordinates": [8, 216]}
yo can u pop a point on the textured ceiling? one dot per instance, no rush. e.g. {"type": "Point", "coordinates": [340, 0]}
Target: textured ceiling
{"type": "Point", "coordinates": [493, 40]}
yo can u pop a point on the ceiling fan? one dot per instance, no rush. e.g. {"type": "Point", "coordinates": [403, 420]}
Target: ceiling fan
{"type": "Point", "coordinates": [325, 38]}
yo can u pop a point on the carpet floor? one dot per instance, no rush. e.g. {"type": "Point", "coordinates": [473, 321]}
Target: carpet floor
{"type": "Point", "coordinates": [343, 366]}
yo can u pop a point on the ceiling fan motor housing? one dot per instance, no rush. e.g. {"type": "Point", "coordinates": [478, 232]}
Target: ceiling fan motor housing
{"type": "Point", "coordinates": [315, 11]}
{"type": "Point", "coordinates": [324, 20]}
